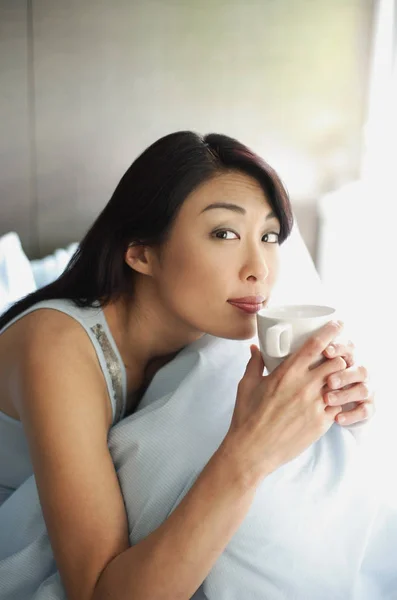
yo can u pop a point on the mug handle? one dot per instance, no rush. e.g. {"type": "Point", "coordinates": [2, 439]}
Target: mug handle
{"type": "Point", "coordinates": [278, 340]}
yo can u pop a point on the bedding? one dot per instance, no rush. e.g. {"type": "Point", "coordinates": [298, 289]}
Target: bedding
{"type": "Point", "coordinates": [316, 528]}
{"type": "Point", "coordinates": [16, 276]}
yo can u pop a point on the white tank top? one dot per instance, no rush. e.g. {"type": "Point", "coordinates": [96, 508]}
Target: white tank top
{"type": "Point", "coordinates": [15, 464]}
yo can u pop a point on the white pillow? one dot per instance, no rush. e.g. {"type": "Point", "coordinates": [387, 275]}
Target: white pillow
{"type": "Point", "coordinates": [298, 281]}
{"type": "Point", "coordinates": [47, 269]}
{"type": "Point", "coordinates": [16, 277]}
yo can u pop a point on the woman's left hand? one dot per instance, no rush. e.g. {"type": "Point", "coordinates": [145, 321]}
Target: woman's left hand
{"type": "Point", "coordinates": [350, 385]}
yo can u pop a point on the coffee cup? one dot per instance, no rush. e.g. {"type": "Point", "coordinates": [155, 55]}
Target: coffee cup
{"type": "Point", "coordinates": [282, 330]}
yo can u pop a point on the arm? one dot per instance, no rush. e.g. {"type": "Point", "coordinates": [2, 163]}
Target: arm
{"type": "Point", "coordinates": [62, 400]}
{"type": "Point", "coordinates": [174, 560]}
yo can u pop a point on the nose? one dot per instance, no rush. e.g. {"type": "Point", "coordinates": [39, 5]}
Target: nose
{"type": "Point", "coordinates": [255, 267]}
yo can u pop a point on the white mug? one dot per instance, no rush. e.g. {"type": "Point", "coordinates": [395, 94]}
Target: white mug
{"type": "Point", "coordinates": [284, 329]}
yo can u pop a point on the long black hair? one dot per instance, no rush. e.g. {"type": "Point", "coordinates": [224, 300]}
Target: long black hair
{"type": "Point", "coordinates": [142, 209]}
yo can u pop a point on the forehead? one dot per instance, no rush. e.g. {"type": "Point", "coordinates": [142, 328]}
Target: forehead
{"type": "Point", "coordinates": [232, 186]}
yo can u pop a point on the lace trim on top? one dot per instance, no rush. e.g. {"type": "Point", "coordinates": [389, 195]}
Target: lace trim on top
{"type": "Point", "coordinates": [114, 369]}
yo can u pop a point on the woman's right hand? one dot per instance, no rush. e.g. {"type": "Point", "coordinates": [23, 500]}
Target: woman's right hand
{"type": "Point", "coordinates": [278, 416]}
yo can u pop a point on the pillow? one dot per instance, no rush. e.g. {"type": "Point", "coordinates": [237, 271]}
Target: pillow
{"type": "Point", "coordinates": [47, 269]}
{"type": "Point", "coordinates": [298, 281]}
{"type": "Point", "coordinates": [16, 277]}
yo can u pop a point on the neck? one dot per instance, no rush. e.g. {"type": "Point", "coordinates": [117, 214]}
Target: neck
{"type": "Point", "coordinates": [147, 335]}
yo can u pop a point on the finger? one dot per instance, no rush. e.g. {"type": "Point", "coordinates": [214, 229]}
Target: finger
{"type": "Point", "coordinates": [357, 392]}
{"type": "Point", "coordinates": [324, 370]}
{"type": "Point", "coordinates": [255, 364]}
{"type": "Point", "coordinates": [341, 348]}
{"type": "Point", "coordinates": [315, 345]}
{"type": "Point", "coordinates": [363, 412]}
{"type": "Point", "coordinates": [355, 374]}
{"type": "Point", "coordinates": [257, 355]}
{"type": "Point", "coordinates": [333, 411]}
{"type": "Point", "coordinates": [252, 374]}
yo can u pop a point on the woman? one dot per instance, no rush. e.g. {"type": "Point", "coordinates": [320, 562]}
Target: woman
{"type": "Point", "coordinates": [187, 245]}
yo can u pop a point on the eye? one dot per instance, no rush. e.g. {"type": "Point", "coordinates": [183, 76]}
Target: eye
{"type": "Point", "coordinates": [222, 234]}
{"type": "Point", "coordinates": [271, 238]}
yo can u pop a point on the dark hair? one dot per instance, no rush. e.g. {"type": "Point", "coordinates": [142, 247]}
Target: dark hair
{"type": "Point", "coordinates": [143, 208]}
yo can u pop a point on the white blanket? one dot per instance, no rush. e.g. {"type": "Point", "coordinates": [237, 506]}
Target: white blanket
{"type": "Point", "coordinates": [315, 529]}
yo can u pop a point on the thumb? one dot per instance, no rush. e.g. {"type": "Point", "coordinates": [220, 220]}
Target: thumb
{"type": "Point", "coordinates": [253, 372]}
{"type": "Point", "coordinates": [255, 364]}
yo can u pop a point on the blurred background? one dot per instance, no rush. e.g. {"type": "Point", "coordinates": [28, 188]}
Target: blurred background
{"type": "Point", "coordinates": [311, 85]}
{"type": "Point", "coordinates": [86, 85]}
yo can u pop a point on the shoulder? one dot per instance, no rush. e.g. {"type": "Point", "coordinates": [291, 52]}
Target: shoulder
{"type": "Point", "coordinates": [50, 325]}
{"type": "Point", "coordinates": [42, 322]}
{"type": "Point", "coordinates": [49, 352]}
{"type": "Point", "coordinates": [48, 338]}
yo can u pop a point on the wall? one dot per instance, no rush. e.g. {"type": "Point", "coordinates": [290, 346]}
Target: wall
{"type": "Point", "coordinates": [89, 84]}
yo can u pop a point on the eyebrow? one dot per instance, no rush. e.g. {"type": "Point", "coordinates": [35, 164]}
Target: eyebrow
{"type": "Point", "coordinates": [235, 208]}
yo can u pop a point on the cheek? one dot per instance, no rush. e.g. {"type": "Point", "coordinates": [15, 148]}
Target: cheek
{"type": "Point", "coordinates": [191, 270]}
{"type": "Point", "coordinates": [274, 267]}
{"type": "Point", "coordinates": [192, 282]}
{"type": "Point", "coordinates": [202, 272]}
{"type": "Point", "coordinates": [186, 272]}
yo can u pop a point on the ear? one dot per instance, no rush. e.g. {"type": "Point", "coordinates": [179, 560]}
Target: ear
{"type": "Point", "coordinates": [138, 257]}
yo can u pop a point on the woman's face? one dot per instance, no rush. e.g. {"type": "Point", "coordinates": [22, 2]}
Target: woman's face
{"type": "Point", "coordinates": [223, 247]}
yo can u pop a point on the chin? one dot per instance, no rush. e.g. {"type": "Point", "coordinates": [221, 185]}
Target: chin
{"type": "Point", "coordinates": [244, 336]}
{"type": "Point", "coordinates": [238, 332]}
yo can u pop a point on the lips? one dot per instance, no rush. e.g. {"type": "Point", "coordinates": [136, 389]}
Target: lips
{"type": "Point", "coordinates": [248, 300]}
{"type": "Point", "coordinates": [249, 304]}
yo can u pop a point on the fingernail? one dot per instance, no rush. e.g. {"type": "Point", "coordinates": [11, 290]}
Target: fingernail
{"type": "Point", "coordinates": [340, 323]}
{"type": "Point", "coordinates": [335, 383]}
{"type": "Point", "coordinates": [341, 419]}
{"type": "Point", "coordinates": [331, 350]}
